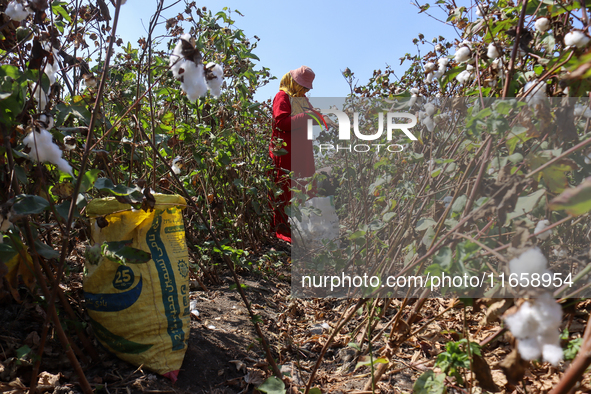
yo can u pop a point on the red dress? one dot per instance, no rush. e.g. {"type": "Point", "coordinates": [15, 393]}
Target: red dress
{"type": "Point", "coordinates": [299, 158]}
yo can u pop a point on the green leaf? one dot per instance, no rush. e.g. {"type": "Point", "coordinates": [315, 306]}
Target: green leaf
{"type": "Point", "coordinates": [120, 190]}
{"type": "Point", "coordinates": [443, 258]}
{"type": "Point", "coordinates": [526, 204]}
{"type": "Point", "coordinates": [272, 385]}
{"type": "Point", "coordinates": [575, 201]}
{"type": "Point", "coordinates": [59, 10]}
{"type": "Point", "coordinates": [122, 253]}
{"type": "Point", "coordinates": [46, 251]}
{"type": "Point", "coordinates": [388, 216]}
{"type": "Point", "coordinates": [425, 223]}
{"type": "Point", "coordinates": [7, 252]}
{"type": "Point", "coordinates": [367, 361]}
{"type": "Point", "coordinates": [459, 203]}
{"type": "Point", "coordinates": [430, 383]}
{"type": "Point", "coordinates": [27, 204]}
{"type": "Point", "coordinates": [22, 351]}
{"type": "Point", "coordinates": [572, 348]}
{"type": "Point", "coordinates": [88, 179]}
{"type": "Point", "coordinates": [555, 174]}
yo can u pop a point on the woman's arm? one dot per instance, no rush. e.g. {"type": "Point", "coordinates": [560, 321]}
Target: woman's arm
{"type": "Point", "coordinates": [282, 114]}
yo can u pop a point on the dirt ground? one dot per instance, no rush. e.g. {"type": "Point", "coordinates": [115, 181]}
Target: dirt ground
{"type": "Point", "coordinates": [224, 355]}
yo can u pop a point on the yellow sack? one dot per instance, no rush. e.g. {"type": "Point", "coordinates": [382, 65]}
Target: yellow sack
{"type": "Point", "coordinates": [140, 312]}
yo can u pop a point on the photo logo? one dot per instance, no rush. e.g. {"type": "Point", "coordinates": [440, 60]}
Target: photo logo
{"type": "Point", "coordinates": [345, 130]}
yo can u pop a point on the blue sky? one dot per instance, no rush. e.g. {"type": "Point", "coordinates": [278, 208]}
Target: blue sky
{"type": "Point", "coordinates": [326, 36]}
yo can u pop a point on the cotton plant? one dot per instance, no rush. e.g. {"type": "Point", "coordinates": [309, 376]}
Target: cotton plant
{"type": "Point", "coordinates": [17, 11]}
{"type": "Point", "coordinates": [177, 164]}
{"type": "Point", "coordinates": [493, 52]}
{"type": "Point", "coordinates": [536, 323]}
{"type": "Point", "coordinates": [43, 149]}
{"type": "Point", "coordinates": [414, 95]}
{"type": "Point", "coordinates": [537, 95]}
{"type": "Point", "coordinates": [532, 261]}
{"type": "Point", "coordinates": [465, 76]}
{"type": "Point", "coordinates": [536, 326]}
{"type": "Point", "coordinates": [543, 235]}
{"type": "Point", "coordinates": [51, 66]}
{"type": "Point", "coordinates": [463, 54]}
{"type": "Point", "coordinates": [186, 65]}
{"type": "Point", "coordinates": [481, 10]}
{"type": "Point", "coordinates": [576, 38]}
{"type": "Point", "coordinates": [442, 67]}
{"type": "Point", "coordinates": [542, 25]}
{"type": "Point", "coordinates": [40, 95]}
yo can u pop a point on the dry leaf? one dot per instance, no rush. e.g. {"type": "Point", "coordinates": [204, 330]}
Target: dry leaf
{"type": "Point", "coordinates": [513, 366]}
{"type": "Point", "coordinates": [255, 377]}
{"type": "Point", "coordinates": [239, 365]}
{"type": "Point", "coordinates": [47, 381]}
{"type": "Point", "coordinates": [483, 375]}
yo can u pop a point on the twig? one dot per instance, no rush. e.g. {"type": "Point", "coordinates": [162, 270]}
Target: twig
{"type": "Point", "coordinates": [514, 50]}
{"type": "Point", "coordinates": [337, 329]}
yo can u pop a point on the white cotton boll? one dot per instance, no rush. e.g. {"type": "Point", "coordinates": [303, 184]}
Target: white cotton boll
{"type": "Point", "coordinates": [464, 77]}
{"type": "Point", "coordinates": [428, 122]}
{"type": "Point", "coordinates": [522, 323]}
{"type": "Point", "coordinates": [176, 165]}
{"type": "Point", "coordinates": [467, 44]}
{"type": "Point", "coordinates": [51, 70]}
{"type": "Point", "coordinates": [530, 262]}
{"type": "Point", "coordinates": [462, 55]}
{"type": "Point", "coordinates": [542, 25]}
{"type": "Point", "coordinates": [547, 313]}
{"type": "Point", "coordinates": [414, 91]}
{"type": "Point", "coordinates": [542, 224]}
{"type": "Point", "coordinates": [194, 83]}
{"type": "Point", "coordinates": [69, 142]}
{"type": "Point", "coordinates": [576, 38]}
{"type": "Point", "coordinates": [493, 52]}
{"type": "Point", "coordinates": [422, 115]}
{"type": "Point", "coordinates": [40, 96]}
{"type": "Point", "coordinates": [439, 48]}
{"type": "Point", "coordinates": [529, 348]}
{"type": "Point", "coordinates": [47, 120]}
{"type": "Point", "coordinates": [443, 62]}
{"type": "Point", "coordinates": [44, 150]}
{"type": "Point", "coordinates": [430, 109]}
{"type": "Point", "coordinates": [429, 78]}
{"type": "Point", "coordinates": [16, 11]}
{"type": "Point", "coordinates": [481, 10]}
{"type": "Point", "coordinates": [176, 60]}
{"type": "Point", "coordinates": [538, 93]}
{"type": "Point", "coordinates": [430, 66]}
{"type": "Point", "coordinates": [582, 110]}
{"type": "Point", "coordinates": [215, 84]}
{"type": "Point", "coordinates": [439, 73]}
{"type": "Point", "coordinates": [552, 354]}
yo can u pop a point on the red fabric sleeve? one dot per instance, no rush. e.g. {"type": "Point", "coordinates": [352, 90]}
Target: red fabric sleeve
{"type": "Point", "coordinates": [282, 114]}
